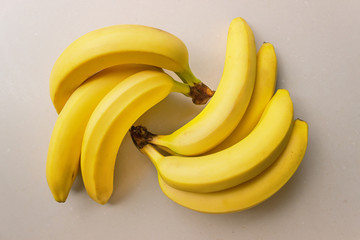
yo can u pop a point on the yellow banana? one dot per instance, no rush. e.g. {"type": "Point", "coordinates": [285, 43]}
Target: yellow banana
{"type": "Point", "coordinates": [226, 108]}
{"type": "Point", "coordinates": [252, 192]}
{"type": "Point", "coordinates": [116, 45]}
{"type": "Point", "coordinates": [263, 91]}
{"type": "Point", "coordinates": [111, 120]}
{"type": "Point", "coordinates": [236, 164]}
{"type": "Point", "coordinates": [63, 158]}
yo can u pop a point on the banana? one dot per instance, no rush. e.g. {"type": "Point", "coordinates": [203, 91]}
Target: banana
{"type": "Point", "coordinates": [263, 91]}
{"type": "Point", "coordinates": [234, 165]}
{"type": "Point", "coordinates": [116, 45]}
{"type": "Point", "coordinates": [63, 158]}
{"type": "Point", "coordinates": [111, 120]}
{"type": "Point", "coordinates": [252, 192]}
{"type": "Point", "coordinates": [226, 108]}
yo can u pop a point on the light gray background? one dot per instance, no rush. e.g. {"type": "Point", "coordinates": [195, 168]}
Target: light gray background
{"type": "Point", "coordinates": [317, 44]}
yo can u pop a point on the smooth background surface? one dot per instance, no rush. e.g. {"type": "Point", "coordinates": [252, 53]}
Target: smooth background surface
{"type": "Point", "coordinates": [317, 44]}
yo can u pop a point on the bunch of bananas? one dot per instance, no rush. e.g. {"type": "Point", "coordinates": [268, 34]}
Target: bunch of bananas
{"type": "Point", "coordinates": [237, 152]}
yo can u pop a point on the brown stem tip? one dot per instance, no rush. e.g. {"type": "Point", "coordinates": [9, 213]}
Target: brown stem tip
{"type": "Point", "coordinates": [140, 136]}
{"type": "Point", "coordinates": [200, 93]}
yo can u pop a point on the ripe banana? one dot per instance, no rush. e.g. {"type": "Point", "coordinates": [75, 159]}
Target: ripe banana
{"type": "Point", "coordinates": [252, 192]}
{"type": "Point", "coordinates": [111, 120]}
{"type": "Point", "coordinates": [236, 164]}
{"type": "Point", "coordinates": [63, 158]}
{"type": "Point", "coordinates": [263, 91]}
{"type": "Point", "coordinates": [226, 108]}
{"type": "Point", "coordinates": [116, 45]}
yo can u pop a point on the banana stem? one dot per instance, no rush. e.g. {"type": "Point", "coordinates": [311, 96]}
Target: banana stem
{"type": "Point", "coordinates": [181, 88]}
{"type": "Point", "coordinates": [199, 92]}
{"type": "Point", "coordinates": [188, 77]}
{"type": "Point", "coordinates": [150, 151]}
{"type": "Point", "coordinates": [141, 138]}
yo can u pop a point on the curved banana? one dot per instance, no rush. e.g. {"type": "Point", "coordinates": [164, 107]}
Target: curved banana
{"type": "Point", "coordinates": [116, 45]}
{"type": "Point", "coordinates": [63, 158]}
{"type": "Point", "coordinates": [264, 88]}
{"type": "Point", "coordinates": [254, 191]}
{"type": "Point", "coordinates": [236, 164]}
{"type": "Point", "coordinates": [226, 108]}
{"type": "Point", "coordinates": [111, 120]}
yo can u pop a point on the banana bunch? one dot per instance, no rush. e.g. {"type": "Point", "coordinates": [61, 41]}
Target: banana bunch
{"type": "Point", "coordinates": [237, 152]}
{"type": "Point", "coordinates": [242, 147]}
{"type": "Point", "coordinates": [100, 85]}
